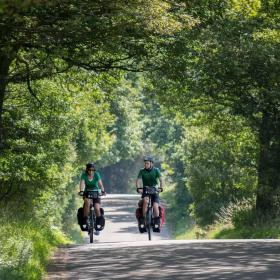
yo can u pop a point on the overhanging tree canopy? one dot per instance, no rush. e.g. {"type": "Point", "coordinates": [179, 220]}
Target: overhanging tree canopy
{"type": "Point", "coordinates": [41, 38]}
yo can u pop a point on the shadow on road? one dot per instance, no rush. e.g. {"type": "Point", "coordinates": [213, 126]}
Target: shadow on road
{"type": "Point", "coordinates": [121, 252]}
{"type": "Point", "coordinates": [166, 261]}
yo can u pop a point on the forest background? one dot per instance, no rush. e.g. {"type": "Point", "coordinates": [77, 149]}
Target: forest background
{"type": "Point", "coordinates": [195, 83]}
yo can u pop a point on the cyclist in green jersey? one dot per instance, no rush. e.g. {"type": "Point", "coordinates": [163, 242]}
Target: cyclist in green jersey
{"type": "Point", "coordinates": [150, 176]}
{"type": "Point", "coordinates": [91, 181]}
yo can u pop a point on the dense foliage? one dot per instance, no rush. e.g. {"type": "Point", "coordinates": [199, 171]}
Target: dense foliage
{"type": "Point", "coordinates": [228, 65]}
{"type": "Point", "coordinates": [196, 83]}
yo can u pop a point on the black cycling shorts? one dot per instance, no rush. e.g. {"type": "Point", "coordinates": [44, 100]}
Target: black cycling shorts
{"type": "Point", "coordinates": [94, 200]}
{"type": "Point", "coordinates": [154, 197]}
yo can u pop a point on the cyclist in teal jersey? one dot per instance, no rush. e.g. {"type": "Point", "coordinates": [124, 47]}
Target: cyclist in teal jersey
{"type": "Point", "coordinates": [91, 181]}
{"type": "Point", "coordinates": [150, 176]}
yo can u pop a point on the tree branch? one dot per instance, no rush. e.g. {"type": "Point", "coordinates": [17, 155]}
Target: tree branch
{"type": "Point", "coordinates": [32, 93]}
{"type": "Point", "coordinates": [8, 191]}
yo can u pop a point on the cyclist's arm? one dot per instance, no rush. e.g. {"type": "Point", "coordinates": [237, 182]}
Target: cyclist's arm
{"type": "Point", "coordinates": [82, 185]}
{"type": "Point", "coordinates": [100, 184]}
{"type": "Point", "coordinates": [137, 183]}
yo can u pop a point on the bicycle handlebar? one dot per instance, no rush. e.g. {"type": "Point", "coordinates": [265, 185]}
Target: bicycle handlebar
{"type": "Point", "coordinates": [82, 193]}
{"type": "Point", "coordinates": [154, 188]}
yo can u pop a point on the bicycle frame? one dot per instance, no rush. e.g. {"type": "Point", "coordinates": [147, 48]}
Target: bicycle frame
{"type": "Point", "coordinates": [92, 218]}
{"type": "Point", "coordinates": [149, 214]}
{"type": "Point", "coordinates": [149, 218]}
{"type": "Point", "coordinates": [92, 221]}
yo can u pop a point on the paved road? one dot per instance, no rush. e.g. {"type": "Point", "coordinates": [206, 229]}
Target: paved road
{"type": "Point", "coordinates": [121, 252]}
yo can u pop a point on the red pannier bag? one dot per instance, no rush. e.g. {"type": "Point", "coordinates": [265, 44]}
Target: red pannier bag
{"type": "Point", "coordinates": [138, 213]}
{"type": "Point", "coordinates": [139, 217]}
{"type": "Point", "coordinates": [161, 215]}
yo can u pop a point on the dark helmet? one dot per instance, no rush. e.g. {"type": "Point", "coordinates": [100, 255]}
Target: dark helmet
{"type": "Point", "coordinates": [90, 165]}
{"type": "Point", "coordinates": [148, 158]}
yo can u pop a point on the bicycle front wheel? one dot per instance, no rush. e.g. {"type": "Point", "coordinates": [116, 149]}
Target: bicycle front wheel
{"type": "Point", "coordinates": [148, 223]}
{"type": "Point", "coordinates": [91, 227]}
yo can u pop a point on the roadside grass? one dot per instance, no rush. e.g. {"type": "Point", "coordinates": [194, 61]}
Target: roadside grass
{"type": "Point", "coordinates": [267, 230]}
{"type": "Point", "coordinates": [242, 220]}
{"type": "Point", "coordinates": [177, 218]}
{"type": "Point", "coordinates": [25, 249]}
{"type": "Point", "coordinates": [75, 234]}
{"type": "Point", "coordinates": [237, 221]}
{"type": "Point", "coordinates": [228, 231]}
{"type": "Point", "coordinates": [217, 231]}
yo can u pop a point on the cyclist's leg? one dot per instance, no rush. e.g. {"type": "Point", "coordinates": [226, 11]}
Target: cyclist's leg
{"type": "Point", "coordinates": [156, 209]}
{"type": "Point", "coordinates": [145, 205]}
{"type": "Point", "coordinates": [155, 201]}
{"type": "Point", "coordinates": [97, 208]}
{"type": "Point", "coordinates": [99, 219]}
{"type": "Point", "coordinates": [86, 207]}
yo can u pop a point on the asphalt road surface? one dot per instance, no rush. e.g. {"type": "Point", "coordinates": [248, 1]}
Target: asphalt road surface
{"type": "Point", "coordinates": [121, 252]}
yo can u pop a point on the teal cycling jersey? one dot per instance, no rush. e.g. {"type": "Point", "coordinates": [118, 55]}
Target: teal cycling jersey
{"type": "Point", "coordinates": [91, 185]}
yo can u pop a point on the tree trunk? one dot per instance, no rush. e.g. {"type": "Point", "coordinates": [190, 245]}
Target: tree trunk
{"type": "Point", "coordinates": [268, 167]}
{"type": "Point", "coordinates": [4, 70]}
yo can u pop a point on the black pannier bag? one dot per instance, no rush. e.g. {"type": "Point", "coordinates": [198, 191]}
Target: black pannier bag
{"type": "Point", "coordinates": [100, 221]}
{"type": "Point", "coordinates": [81, 220]}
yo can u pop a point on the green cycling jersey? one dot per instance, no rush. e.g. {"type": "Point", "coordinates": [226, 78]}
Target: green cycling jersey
{"type": "Point", "coordinates": [149, 177]}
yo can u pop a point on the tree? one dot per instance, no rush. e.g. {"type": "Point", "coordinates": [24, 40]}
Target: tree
{"type": "Point", "coordinates": [42, 141]}
{"type": "Point", "coordinates": [40, 39]}
{"type": "Point", "coordinates": [230, 63]}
